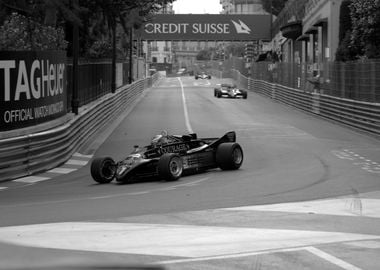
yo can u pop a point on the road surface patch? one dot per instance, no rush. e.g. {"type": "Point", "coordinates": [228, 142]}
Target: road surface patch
{"type": "Point", "coordinates": [357, 160]}
{"type": "Point", "coordinates": [347, 206]}
{"type": "Point", "coordinates": [167, 240]}
{"type": "Point", "coordinates": [365, 244]}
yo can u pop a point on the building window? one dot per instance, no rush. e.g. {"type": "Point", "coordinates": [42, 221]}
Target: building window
{"type": "Point", "coordinates": [154, 59]}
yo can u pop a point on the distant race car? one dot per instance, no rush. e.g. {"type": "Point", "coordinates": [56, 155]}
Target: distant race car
{"type": "Point", "coordinates": [231, 91]}
{"type": "Point", "coordinates": [202, 75]}
{"type": "Point", "coordinates": [169, 157]}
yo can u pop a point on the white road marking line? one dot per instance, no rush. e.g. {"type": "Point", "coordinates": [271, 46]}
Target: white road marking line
{"type": "Point", "coordinates": [108, 196]}
{"type": "Point", "coordinates": [3, 188]}
{"type": "Point", "coordinates": [153, 190]}
{"type": "Point", "coordinates": [166, 189]}
{"type": "Point", "coordinates": [190, 183]}
{"type": "Point", "coordinates": [61, 170]}
{"type": "Point", "coordinates": [83, 156]}
{"type": "Point", "coordinates": [112, 196]}
{"type": "Point", "coordinates": [76, 162]}
{"type": "Point", "coordinates": [31, 179]}
{"type": "Point", "coordinates": [189, 241]}
{"type": "Point", "coordinates": [139, 193]}
{"type": "Point", "coordinates": [229, 256]}
{"type": "Point", "coordinates": [334, 260]}
{"type": "Point", "coordinates": [187, 120]}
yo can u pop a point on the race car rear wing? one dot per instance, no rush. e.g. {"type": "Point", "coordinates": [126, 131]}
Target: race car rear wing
{"type": "Point", "coordinates": [228, 137]}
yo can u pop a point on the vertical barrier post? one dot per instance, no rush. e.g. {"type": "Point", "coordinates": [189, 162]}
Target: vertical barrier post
{"type": "Point", "coordinates": [113, 73]}
{"type": "Point", "coordinates": [130, 55]}
{"type": "Point", "coordinates": [315, 106]}
{"type": "Point", "coordinates": [75, 77]}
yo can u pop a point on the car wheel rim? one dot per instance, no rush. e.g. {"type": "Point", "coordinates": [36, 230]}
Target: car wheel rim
{"type": "Point", "coordinates": [175, 167]}
{"type": "Point", "coordinates": [237, 155]}
{"type": "Point", "coordinates": [108, 170]}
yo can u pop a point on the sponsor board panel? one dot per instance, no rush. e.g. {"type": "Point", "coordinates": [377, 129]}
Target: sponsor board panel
{"type": "Point", "coordinates": [207, 27]}
{"type": "Point", "coordinates": [32, 88]}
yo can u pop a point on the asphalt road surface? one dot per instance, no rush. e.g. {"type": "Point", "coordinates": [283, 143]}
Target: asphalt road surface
{"type": "Point", "coordinates": [306, 197]}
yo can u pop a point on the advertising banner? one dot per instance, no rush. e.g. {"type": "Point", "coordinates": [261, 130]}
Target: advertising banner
{"type": "Point", "coordinates": [207, 27]}
{"type": "Point", "coordinates": [32, 88]}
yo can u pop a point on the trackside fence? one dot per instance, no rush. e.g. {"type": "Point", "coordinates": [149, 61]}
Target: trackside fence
{"type": "Point", "coordinates": [364, 116]}
{"type": "Point", "coordinates": [25, 155]}
{"type": "Point", "coordinates": [350, 80]}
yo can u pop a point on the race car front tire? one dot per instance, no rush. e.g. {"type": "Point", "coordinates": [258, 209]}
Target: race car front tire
{"type": "Point", "coordinates": [103, 170]}
{"type": "Point", "coordinates": [170, 167]}
{"type": "Point", "coordinates": [229, 156]}
{"type": "Point", "coordinates": [245, 95]}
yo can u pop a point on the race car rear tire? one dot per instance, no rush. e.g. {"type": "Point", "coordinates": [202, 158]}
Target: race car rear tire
{"type": "Point", "coordinates": [170, 167]}
{"type": "Point", "coordinates": [229, 156]}
{"type": "Point", "coordinates": [103, 170]}
{"type": "Point", "coordinates": [219, 94]}
{"type": "Point", "coordinates": [245, 95]}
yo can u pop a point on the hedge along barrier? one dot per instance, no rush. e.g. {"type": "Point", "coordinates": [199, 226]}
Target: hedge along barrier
{"type": "Point", "coordinates": [363, 116]}
{"type": "Point", "coordinates": [29, 154]}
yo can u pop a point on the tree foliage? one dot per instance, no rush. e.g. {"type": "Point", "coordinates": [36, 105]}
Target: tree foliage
{"type": "Point", "coordinates": [365, 15]}
{"type": "Point", "coordinates": [345, 23]}
{"type": "Point", "coordinates": [235, 49]}
{"type": "Point", "coordinates": [274, 6]}
{"type": "Point", "coordinates": [345, 50]}
{"type": "Point", "coordinates": [204, 55]}
{"type": "Point", "coordinates": [101, 16]}
{"type": "Point", "coordinates": [20, 33]}
{"type": "Point", "coordinates": [359, 32]}
{"type": "Point", "coordinates": [96, 18]}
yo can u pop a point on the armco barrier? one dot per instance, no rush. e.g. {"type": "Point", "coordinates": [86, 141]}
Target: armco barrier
{"type": "Point", "coordinates": [364, 116]}
{"type": "Point", "coordinates": [32, 153]}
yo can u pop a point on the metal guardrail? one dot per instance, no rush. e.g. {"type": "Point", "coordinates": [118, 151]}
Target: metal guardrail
{"type": "Point", "coordinates": [364, 116]}
{"type": "Point", "coordinates": [26, 155]}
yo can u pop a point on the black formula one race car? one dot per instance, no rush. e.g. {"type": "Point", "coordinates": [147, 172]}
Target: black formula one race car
{"type": "Point", "coordinates": [202, 75]}
{"type": "Point", "coordinates": [231, 91]}
{"type": "Point", "coordinates": [169, 157]}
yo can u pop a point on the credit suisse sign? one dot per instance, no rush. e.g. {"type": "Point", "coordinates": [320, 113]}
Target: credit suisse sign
{"type": "Point", "coordinates": [207, 27]}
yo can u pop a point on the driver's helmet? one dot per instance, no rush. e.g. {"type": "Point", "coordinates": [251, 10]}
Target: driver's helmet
{"type": "Point", "coordinates": [160, 139]}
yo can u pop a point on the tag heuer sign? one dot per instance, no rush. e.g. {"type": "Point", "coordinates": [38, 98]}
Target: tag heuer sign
{"type": "Point", "coordinates": [207, 27]}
